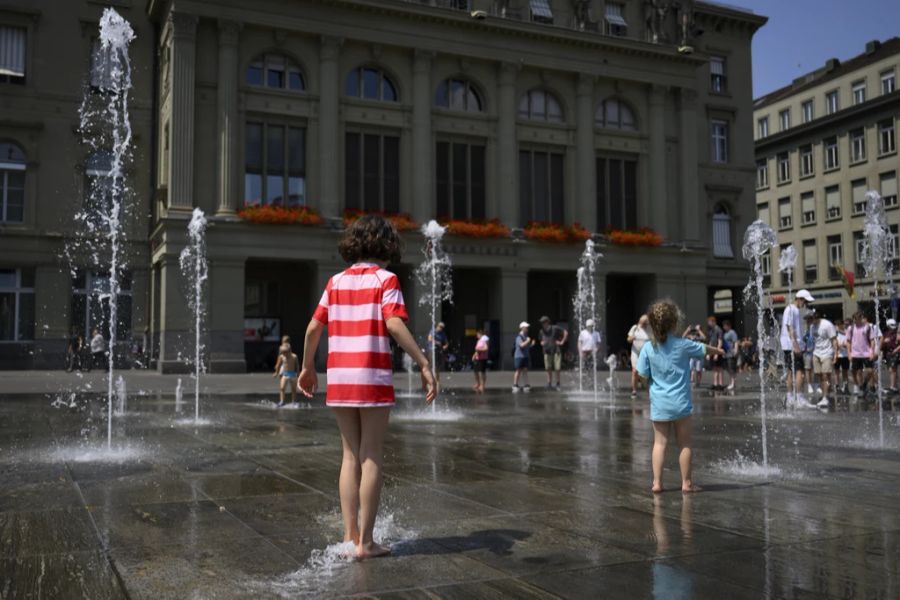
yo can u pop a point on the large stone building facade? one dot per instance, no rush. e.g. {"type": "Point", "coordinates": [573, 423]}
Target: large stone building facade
{"type": "Point", "coordinates": [821, 144]}
{"type": "Point", "coordinates": [607, 114]}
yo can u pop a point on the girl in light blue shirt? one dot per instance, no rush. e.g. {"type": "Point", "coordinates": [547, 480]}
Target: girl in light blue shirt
{"type": "Point", "coordinates": [665, 362]}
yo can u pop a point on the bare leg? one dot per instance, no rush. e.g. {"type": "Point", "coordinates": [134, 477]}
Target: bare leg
{"type": "Point", "coordinates": [371, 453]}
{"type": "Point", "coordinates": [348, 420]}
{"type": "Point", "coordinates": [516, 376]}
{"type": "Point", "coordinates": [281, 392]}
{"type": "Point", "coordinates": [660, 439]}
{"type": "Point", "coordinates": [293, 383]}
{"type": "Point", "coordinates": [634, 381]}
{"type": "Point", "coordinates": [683, 437]}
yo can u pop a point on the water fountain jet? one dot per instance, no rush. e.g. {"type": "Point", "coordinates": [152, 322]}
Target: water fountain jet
{"type": "Point", "coordinates": [195, 269]}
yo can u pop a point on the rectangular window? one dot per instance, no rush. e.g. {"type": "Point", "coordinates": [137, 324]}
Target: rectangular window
{"type": "Point", "coordinates": [540, 11]}
{"type": "Point", "coordinates": [765, 266]}
{"type": "Point", "coordinates": [784, 167]}
{"type": "Point", "coordinates": [717, 78]}
{"type": "Point", "coordinates": [459, 180]}
{"type": "Point", "coordinates": [832, 102]}
{"type": "Point", "coordinates": [859, 92]}
{"type": "Point", "coordinates": [16, 305]}
{"type": "Point", "coordinates": [785, 219]}
{"type": "Point", "coordinates": [762, 212]}
{"type": "Point", "coordinates": [616, 193]}
{"type": "Point", "coordinates": [832, 203]}
{"type": "Point", "coordinates": [541, 186]}
{"type": "Point", "coordinates": [12, 54]}
{"type": "Point", "coordinates": [274, 165]}
{"type": "Point", "coordinates": [372, 172]}
{"type": "Point", "coordinates": [886, 141]}
{"type": "Point", "coordinates": [762, 127]}
{"type": "Point", "coordinates": [784, 119]}
{"type": "Point", "coordinates": [830, 147]}
{"type": "Point", "coordinates": [858, 188]}
{"type": "Point", "coordinates": [762, 174]}
{"type": "Point", "coordinates": [614, 22]}
{"type": "Point", "coordinates": [859, 256]}
{"type": "Point", "coordinates": [12, 191]}
{"type": "Point", "coordinates": [808, 111]}
{"type": "Point", "coordinates": [806, 160]}
{"type": "Point", "coordinates": [808, 208]}
{"type": "Point", "coordinates": [719, 130]}
{"type": "Point", "coordinates": [857, 145]}
{"type": "Point", "coordinates": [893, 245]}
{"type": "Point", "coordinates": [835, 257]}
{"type": "Point", "coordinates": [788, 274]}
{"type": "Point", "coordinates": [888, 82]}
{"type": "Point", "coordinates": [90, 304]}
{"type": "Point", "coordinates": [888, 184]}
{"type": "Point", "coordinates": [810, 262]}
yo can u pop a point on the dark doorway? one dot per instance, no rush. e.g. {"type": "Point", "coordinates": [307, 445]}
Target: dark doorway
{"type": "Point", "coordinates": [475, 306]}
{"type": "Point", "coordinates": [627, 297]}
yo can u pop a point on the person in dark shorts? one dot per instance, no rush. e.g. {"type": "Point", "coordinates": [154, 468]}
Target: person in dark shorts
{"type": "Point", "coordinates": [863, 345]}
{"type": "Point", "coordinates": [521, 358]}
{"type": "Point", "coordinates": [553, 338]}
{"type": "Point", "coordinates": [842, 363]}
{"type": "Point", "coordinates": [714, 338]}
{"type": "Point", "coordinates": [480, 359]}
{"type": "Point", "coordinates": [890, 353]}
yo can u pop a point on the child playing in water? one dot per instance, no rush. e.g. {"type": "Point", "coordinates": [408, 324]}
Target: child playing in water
{"type": "Point", "coordinates": [362, 307]}
{"type": "Point", "coordinates": [287, 366]}
{"type": "Point", "coordinates": [666, 363]}
{"type": "Point", "coordinates": [480, 359]}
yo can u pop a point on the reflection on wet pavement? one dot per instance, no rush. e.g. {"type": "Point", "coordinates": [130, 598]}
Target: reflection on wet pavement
{"type": "Point", "coordinates": [535, 497]}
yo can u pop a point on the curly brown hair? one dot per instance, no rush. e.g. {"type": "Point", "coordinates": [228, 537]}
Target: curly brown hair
{"type": "Point", "coordinates": [664, 316]}
{"type": "Point", "coordinates": [371, 237]}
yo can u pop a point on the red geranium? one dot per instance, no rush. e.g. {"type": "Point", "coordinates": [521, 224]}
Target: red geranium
{"type": "Point", "coordinates": [402, 221]}
{"type": "Point", "coordinates": [554, 232]}
{"type": "Point", "coordinates": [634, 237]}
{"type": "Point", "coordinates": [476, 229]}
{"type": "Point", "coordinates": [279, 215]}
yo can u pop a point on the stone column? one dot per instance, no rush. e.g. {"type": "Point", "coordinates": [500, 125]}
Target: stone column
{"type": "Point", "coordinates": [691, 219]}
{"type": "Point", "coordinates": [657, 129]}
{"type": "Point", "coordinates": [585, 182]}
{"type": "Point", "coordinates": [506, 203]}
{"type": "Point", "coordinates": [227, 109]}
{"type": "Point", "coordinates": [514, 300]}
{"type": "Point", "coordinates": [181, 146]}
{"type": "Point", "coordinates": [423, 206]}
{"type": "Point", "coordinates": [329, 100]}
{"type": "Point", "coordinates": [226, 316]}
{"type": "Point", "coordinates": [175, 340]}
{"type": "Point", "coordinates": [52, 293]}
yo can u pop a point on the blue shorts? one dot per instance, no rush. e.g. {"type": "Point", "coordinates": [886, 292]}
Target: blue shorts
{"type": "Point", "coordinates": [521, 362]}
{"type": "Point", "coordinates": [289, 374]}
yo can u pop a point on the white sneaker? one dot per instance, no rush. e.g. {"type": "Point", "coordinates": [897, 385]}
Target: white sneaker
{"type": "Point", "coordinates": [515, 389]}
{"type": "Point", "coordinates": [857, 391]}
{"type": "Point", "coordinates": [730, 387]}
{"type": "Point", "coordinates": [526, 389]}
{"type": "Point", "coordinates": [801, 400]}
{"type": "Point", "coordinates": [823, 403]}
{"type": "Point", "coordinates": [819, 390]}
{"type": "Point", "coordinates": [810, 390]}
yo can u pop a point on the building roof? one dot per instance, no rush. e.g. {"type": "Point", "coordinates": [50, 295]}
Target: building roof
{"type": "Point", "coordinates": [833, 68]}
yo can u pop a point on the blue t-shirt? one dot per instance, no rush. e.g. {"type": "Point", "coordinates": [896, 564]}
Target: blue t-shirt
{"type": "Point", "coordinates": [520, 351]}
{"type": "Point", "coordinates": [668, 368]}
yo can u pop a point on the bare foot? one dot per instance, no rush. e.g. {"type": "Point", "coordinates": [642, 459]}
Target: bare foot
{"type": "Point", "coordinates": [372, 550]}
{"type": "Point", "coordinates": [657, 488]}
{"type": "Point", "coordinates": [690, 488]}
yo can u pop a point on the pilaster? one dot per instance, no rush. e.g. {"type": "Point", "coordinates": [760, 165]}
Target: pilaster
{"type": "Point", "coordinates": [227, 109]}
{"type": "Point", "coordinates": [181, 148]}
{"type": "Point", "coordinates": [423, 206]}
{"type": "Point", "coordinates": [329, 100]}
{"type": "Point", "coordinates": [690, 201]}
{"type": "Point", "coordinates": [657, 128]}
{"type": "Point", "coordinates": [507, 208]}
{"type": "Point", "coordinates": [585, 181]}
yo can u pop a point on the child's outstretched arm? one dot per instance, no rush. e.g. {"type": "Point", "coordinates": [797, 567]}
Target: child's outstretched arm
{"type": "Point", "coordinates": [714, 350]}
{"type": "Point", "coordinates": [309, 381]}
{"type": "Point", "coordinates": [397, 328]}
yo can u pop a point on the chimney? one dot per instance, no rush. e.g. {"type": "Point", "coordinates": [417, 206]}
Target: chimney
{"type": "Point", "coordinates": [872, 46]}
{"type": "Point", "coordinates": [831, 64]}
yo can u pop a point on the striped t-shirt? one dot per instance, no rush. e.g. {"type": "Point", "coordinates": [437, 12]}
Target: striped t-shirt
{"type": "Point", "coordinates": [355, 306]}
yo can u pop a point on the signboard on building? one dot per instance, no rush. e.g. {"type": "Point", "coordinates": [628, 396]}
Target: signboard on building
{"type": "Point", "coordinates": [262, 329]}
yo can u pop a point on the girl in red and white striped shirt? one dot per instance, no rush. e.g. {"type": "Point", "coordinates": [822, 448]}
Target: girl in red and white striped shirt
{"type": "Point", "coordinates": [362, 307]}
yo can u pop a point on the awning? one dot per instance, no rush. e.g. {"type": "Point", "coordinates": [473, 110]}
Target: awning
{"type": "Point", "coordinates": [614, 15]}
{"type": "Point", "coordinates": [541, 8]}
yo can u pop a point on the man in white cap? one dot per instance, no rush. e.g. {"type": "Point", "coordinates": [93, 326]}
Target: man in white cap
{"type": "Point", "coordinates": [588, 345]}
{"type": "Point", "coordinates": [792, 346]}
{"type": "Point", "coordinates": [522, 358]}
{"type": "Point", "coordinates": [890, 353]}
{"type": "Point", "coordinates": [825, 352]}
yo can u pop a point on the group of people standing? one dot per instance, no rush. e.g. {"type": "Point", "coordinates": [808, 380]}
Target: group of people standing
{"type": "Point", "coordinates": [836, 355]}
{"type": "Point", "coordinates": [82, 354]}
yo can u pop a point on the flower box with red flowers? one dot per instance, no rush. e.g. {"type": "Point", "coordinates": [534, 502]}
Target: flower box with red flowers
{"type": "Point", "coordinates": [644, 236]}
{"type": "Point", "coordinates": [402, 221]}
{"type": "Point", "coordinates": [476, 229]}
{"type": "Point", "coordinates": [269, 214]}
{"type": "Point", "coordinates": [540, 231]}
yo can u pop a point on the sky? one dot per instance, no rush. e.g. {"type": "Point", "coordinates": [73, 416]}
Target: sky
{"type": "Point", "coordinates": [802, 34]}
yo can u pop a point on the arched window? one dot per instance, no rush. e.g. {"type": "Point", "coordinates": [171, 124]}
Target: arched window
{"type": "Point", "coordinates": [275, 71]}
{"type": "Point", "coordinates": [458, 94]}
{"type": "Point", "coordinates": [615, 114]}
{"type": "Point", "coordinates": [540, 105]}
{"type": "Point", "coordinates": [371, 83]}
{"type": "Point", "coordinates": [722, 232]}
{"type": "Point", "coordinates": [12, 183]}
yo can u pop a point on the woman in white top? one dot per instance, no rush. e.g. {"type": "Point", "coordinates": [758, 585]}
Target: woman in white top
{"type": "Point", "coordinates": [637, 337]}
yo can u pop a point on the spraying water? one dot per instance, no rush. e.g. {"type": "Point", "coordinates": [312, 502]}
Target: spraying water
{"type": "Point", "coordinates": [121, 397]}
{"type": "Point", "coordinates": [195, 270]}
{"type": "Point", "coordinates": [179, 395]}
{"type": "Point", "coordinates": [878, 258]}
{"type": "Point", "coordinates": [435, 276]}
{"type": "Point", "coordinates": [787, 261]}
{"type": "Point", "coordinates": [759, 239]}
{"type": "Point", "coordinates": [105, 127]}
{"type": "Point", "coordinates": [585, 305]}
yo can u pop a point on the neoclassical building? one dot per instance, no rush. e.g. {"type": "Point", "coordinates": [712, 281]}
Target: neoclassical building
{"type": "Point", "coordinates": [605, 114]}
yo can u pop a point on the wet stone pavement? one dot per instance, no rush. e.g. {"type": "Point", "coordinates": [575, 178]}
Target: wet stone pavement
{"type": "Point", "coordinates": [539, 495]}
